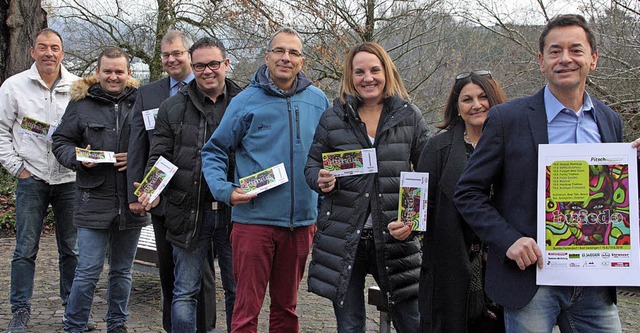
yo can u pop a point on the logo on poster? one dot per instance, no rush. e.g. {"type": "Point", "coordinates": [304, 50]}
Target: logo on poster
{"type": "Point", "coordinates": [620, 264]}
{"type": "Point", "coordinates": [620, 255]}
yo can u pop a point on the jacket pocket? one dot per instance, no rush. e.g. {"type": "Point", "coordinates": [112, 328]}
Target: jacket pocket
{"type": "Point", "coordinates": [96, 135]}
{"type": "Point", "coordinates": [176, 211]}
{"type": "Point", "coordinates": [326, 209]}
{"type": "Point", "coordinates": [88, 180]}
{"type": "Point", "coordinates": [174, 196]}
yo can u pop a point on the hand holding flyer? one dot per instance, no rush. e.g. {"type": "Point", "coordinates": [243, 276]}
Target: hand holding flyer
{"type": "Point", "coordinates": [412, 208]}
{"type": "Point", "coordinates": [95, 156]}
{"type": "Point", "coordinates": [351, 162]}
{"type": "Point", "coordinates": [264, 180]}
{"type": "Point", "coordinates": [157, 178]}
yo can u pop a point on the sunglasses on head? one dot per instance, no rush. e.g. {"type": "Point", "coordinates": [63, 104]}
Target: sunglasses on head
{"type": "Point", "coordinates": [465, 75]}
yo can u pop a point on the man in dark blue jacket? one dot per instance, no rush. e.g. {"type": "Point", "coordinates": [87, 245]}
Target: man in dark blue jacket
{"type": "Point", "coordinates": [97, 118]}
{"type": "Point", "coordinates": [504, 165]}
{"type": "Point", "coordinates": [192, 217]}
{"type": "Point", "coordinates": [176, 61]}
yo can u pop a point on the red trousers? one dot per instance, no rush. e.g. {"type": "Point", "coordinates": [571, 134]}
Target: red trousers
{"type": "Point", "coordinates": [268, 255]}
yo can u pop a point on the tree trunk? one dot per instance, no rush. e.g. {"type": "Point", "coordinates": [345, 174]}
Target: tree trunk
{"type": "Point", "coordinates": [21, 20]}
{"type": "Point", "coordinates": [164, 23]}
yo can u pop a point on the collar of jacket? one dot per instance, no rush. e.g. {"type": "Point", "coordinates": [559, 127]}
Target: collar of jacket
{"type": "Point", "coordinates": [390, 106]}
{"type": "Point", "coordinates": [89, 86]}
{"type": "Point", "coordinates": [66, 78]}
{"type": "Point", "coordinates": [261, 80]}
{"type": "Point", "coordinates": [230, 87]}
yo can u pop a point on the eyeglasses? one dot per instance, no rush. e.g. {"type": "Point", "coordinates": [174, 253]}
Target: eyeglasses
{"type": "Point", "coordinates": [465, 75]}
{"type": "Point", "coordinates": [280, 52]}
{"type": "Point", "coordinates": [212, 65]}
{"type": "Point", "coordinates": [175, 54]}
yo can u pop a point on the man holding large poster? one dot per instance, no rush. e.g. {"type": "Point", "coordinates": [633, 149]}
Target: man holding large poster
{"type": "Point", "coordinates": [504, 165]}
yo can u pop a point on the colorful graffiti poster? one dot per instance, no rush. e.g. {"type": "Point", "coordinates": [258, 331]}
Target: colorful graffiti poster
{"type": "Point", "coordinates": [351, 162]}
{"type": "Point", "coordinates": [412, 208]}
{"type": "Point", "coordinates": [588, 214]}
{"type": "Point", "coordinates": [36, 128]}
{"type": "Point", "coordinates": [265, 179]}
{"type": "Point", "coordinates": [157, 178]}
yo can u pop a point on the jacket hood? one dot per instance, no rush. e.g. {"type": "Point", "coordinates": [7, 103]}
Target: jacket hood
{"type": "Point", "coordinates": [80, 88]}
{"type": "Point", "coordinates": [261, 80]}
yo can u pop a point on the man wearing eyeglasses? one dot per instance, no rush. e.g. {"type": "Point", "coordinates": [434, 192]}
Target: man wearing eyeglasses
{"type": "Point", "coordinates": [505, 164]}
{"type": "Point", "coordinates": [271, 122]}
{"type": "Point", "coordinates": [176, 61]}
{"type": "Point", "coordinates": [192, 217]}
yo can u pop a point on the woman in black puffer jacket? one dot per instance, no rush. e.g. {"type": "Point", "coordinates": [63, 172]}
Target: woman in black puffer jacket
{"type": "Point", "coordinates": [352, 238]}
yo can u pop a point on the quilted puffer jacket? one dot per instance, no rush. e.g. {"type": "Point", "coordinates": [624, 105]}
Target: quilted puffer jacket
{"type": "Point", "coordinates": [400, 138]}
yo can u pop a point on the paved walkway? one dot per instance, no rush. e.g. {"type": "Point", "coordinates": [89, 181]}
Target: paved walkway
{"type": "Point", "coordinates": [316, 313]}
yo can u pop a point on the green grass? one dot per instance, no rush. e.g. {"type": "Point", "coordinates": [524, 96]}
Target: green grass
{"type": "Point", "coordinates": [7, 204]}
{"type": "Point", "coordinates": [7, 201]}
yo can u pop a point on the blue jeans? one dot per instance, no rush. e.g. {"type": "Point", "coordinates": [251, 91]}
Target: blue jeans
{"type": "Point", "coordinates": [188, 271]}
{"type": "Point", "coordinates": [93, 244]}
{"type": "Point", "coordinates": [351, 316]}
{"type": "Point", "coordinates": [574, 309]}
{"type": "Point", "coordinates": [32, 199]}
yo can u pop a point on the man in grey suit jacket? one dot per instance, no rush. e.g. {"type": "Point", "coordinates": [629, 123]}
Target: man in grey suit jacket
{"type": "Point", "coordinates": [177, 63]}
{"type": "Point", "coordinates": [496, 193]}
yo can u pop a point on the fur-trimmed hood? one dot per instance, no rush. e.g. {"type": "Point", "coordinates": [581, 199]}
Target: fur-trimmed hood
{"type": "Point", "coordinates": [80, 88]}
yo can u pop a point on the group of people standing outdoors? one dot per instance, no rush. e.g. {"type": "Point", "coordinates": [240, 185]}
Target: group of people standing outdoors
{"type": "Point", "coordinates": [473, 270]}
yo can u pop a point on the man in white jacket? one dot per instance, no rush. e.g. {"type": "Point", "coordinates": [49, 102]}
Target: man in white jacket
{"type": "Point", "coordinates": [31, 104]}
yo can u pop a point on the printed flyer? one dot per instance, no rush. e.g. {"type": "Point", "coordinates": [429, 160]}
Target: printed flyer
{"type": "Point", "coordinates": [264, 180]}
{"type": "Point", "coordinates": [351, 162]}
{"type": "Point", "coordinates": [36, 128]}
{"type": "Point", "coordinates": [149, 117]}
{"type": "Point", "coordinates": [95, 156]}
{"type": "Point", "coordinates": [157, 178]}
{"type": "Point", "coordinates": [588, 215]}
{"type": "Point", "coordinates": [412, 208]}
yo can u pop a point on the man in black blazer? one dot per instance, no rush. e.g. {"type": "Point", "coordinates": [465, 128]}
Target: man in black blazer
{"type": "Point", "coordinates": [496, 193]}
{"type": "Point", "coordinates": [177, 63]}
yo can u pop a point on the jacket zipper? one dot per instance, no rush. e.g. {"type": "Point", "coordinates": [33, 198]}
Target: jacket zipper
{"type": "Point", "coordinates": [291, 177]}
{"type": "Point", "coordinates": [297, 124]}
{"type": "Point", "coordinates": [360, 128]}
{"type": "Point", "coordinates": [116, 106]}
{"type": "Point", "coordinates": [195, 228]}
{"type": "Point", "coordinates": [49, 119]}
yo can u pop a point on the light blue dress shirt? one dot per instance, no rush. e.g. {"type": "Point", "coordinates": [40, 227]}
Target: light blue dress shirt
{"type": "Point", "coordinates": [567, 126]}
{"type": "Point", "coordinates": [173, 83]}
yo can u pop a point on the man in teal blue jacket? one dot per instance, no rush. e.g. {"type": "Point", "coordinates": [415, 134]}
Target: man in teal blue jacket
{"type": "Point", "coordinates": [271, 122]}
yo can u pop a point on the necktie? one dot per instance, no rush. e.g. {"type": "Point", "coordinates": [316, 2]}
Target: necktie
{"type": "Point", "coordinates": [178, 86]}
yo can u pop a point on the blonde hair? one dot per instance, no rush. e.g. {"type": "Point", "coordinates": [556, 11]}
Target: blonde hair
{"type": "Point", "coordinates": [393, 85]}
